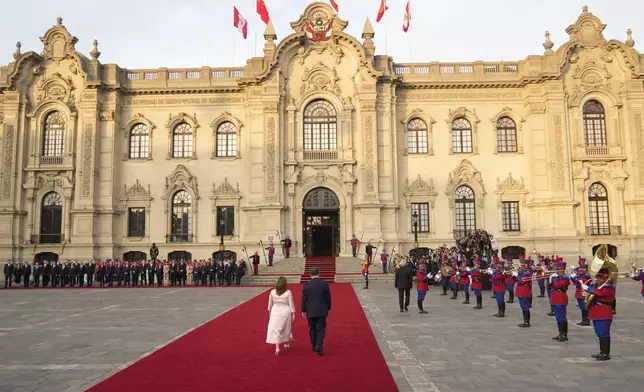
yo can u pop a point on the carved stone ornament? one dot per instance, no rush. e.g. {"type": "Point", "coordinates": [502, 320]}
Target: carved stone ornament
{"type": "Point", "coordinates": [181, 179]}
{"type": "Point", "coordinates": [7, 166]}
{"type": "Point", "coordinates": [591, 78]}
{"type": "Point", "coordinates": [466, 174]}
{"type": "Point", "coordinates": [510, 184]}
{"type": "Point", "coordinates": [320, 78]}
{"type": "Point", "coordinates": [136, 191]}
{"type": "Point", "coordinates": [320, 178]}
{"type": "Point", "coordinates": [56, 88]}
{"type": "Point", "coordinates": [419, 186]}
{"type": "Point", "coordinates": [225, 190]}
{"type": "Point", "coordinates": [588, 30]}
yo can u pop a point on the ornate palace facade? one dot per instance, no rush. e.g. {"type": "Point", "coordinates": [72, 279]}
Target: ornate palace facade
{"type": "Point", "coordinates": [319, 139]}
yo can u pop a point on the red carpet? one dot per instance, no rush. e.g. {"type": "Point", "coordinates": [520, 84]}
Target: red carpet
{"type": "Point", "coordinates": [326, 264]}
{"type": "Point", "coordinates": [230, 354]}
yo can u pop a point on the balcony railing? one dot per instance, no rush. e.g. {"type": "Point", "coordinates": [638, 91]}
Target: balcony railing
{"type": "Point", "coordinates": [145, 76]}
{"type": "Point", "coordinates": [180, 237]}
{"type": "Point", "coordinates": [593, 151]}
{"type": "Point", "coordinates": [51, 160]}
{"type": "Point", "coordinates": [603, 230]}
{"type": "Point", "coordinates": [320, 155]}
{"type": "Point", "coordinates": [48, 239]}
{"type": "Point", "coordinates": [445, 69]}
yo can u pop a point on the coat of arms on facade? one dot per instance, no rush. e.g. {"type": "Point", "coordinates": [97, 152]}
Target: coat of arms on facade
{"type": "Point", "coordinates": [319, 30]}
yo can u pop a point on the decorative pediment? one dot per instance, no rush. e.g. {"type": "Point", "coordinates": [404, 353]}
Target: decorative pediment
{"type": "Point", "coordinates": [418, 113]}
{"type": "Point", "coordinates": [590, 79]}
{"type": "Point", "coordinates": [419, 187]}
{"type": "Point", "coordinates": [320, 178]}
{"type": "Point", "coordinates": [319, 12]}
{"type": "Point", "coordinates": [508, 112]}
{"type": "Point", "coordinates": [225, 190]}
{"type": "Point", "coordinates": [465, 174]}
{"type": "Point", "coordinates": [510, 184]}
{"type": "Point", "coordinates": [136, 191]}
{"type": "Point", "coordinates": [181, 179]}
{"type": "Point", "coordinates": [464, 112]}
{"type": "Point", "coordinates": [59, 43]}
{"type": "Point", "coordinates": [47, 182]}
{"type": "Point", "coordinates": [173, 121]}
{"type": "Point", "coordinates": [320, 78]}
{"type": "Point", "coordinates": [138, 118]}
{"type": "Point", "coordinates": [56, 88]}
{"type": "Point", "coordinates": [226, 117]}
{"type": "Point", "coordinates": [588, 30]}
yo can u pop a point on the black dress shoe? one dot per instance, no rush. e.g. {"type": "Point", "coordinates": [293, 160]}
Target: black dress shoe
{"type": "Point", "coordinates": [401, 310]}
{"type": "Point", "coordinates": [603, 357]}
{"type": "Point", "coordinates": [320, 353]}
{"type": "Point", "coordinates": [315, 349]}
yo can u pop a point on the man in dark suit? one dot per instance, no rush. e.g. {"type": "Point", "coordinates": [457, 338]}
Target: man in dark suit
{"type": "Point", "coordinates": [404, 281]}
{"type": "Point", "coordinates": [8, 274]}
{"type": "Point", "coordinates": [37, 274]}
{"type": "Point", "coordinates": [26, 274]}
{"type": "Point", "coordinates": [316, 303]}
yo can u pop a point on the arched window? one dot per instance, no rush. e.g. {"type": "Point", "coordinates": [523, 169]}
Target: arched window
{"type": "Point", "coordinates": [417, 137]}
{"type": "Point", "coordinates": [594, 124]}
{"type": "Point", "coordinates": [181, 225]}
{"type": "Point", "coordinates": [598, 210]}
{"type": "Point", "coordinates": [320, 126]}
{"type": "Point", "coordinates": [54, 135]}
{"type": "Point", "coordinates": [506, 135]}
{"type": "Point", "coordinates": [226, 140]}
{"type": "Point", "coordinates": [461, 136]}
{"type": "Point", "coordinates": [139, 142]}
{"type": "Point", "coordinates": [182, 138]}
{"type": "Point", "coordinates": [51, 219]}
{"type": "Point", "coordinates": [465, 208]}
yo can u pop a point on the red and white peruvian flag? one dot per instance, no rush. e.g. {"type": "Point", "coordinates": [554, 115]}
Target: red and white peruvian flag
{"type": "Point", "coordinates": [407, 20]}
{"type": "Point", "coordinates": [334, 4]}
{"type": "Point", "coordinates": [381, 11]}
{"type": "Point", "coordinates": [240, 23]}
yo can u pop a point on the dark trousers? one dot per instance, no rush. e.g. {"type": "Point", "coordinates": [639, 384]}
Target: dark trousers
{"type": "Point", "coordinates": [36, 280]}
{"type": "Point", "coordinates": [403, 298]}
{"type": "Point", "coordinates": [238, 279]}
{"type": "Point", "coordinates": [90, 280]}
{"type": "Point", "coordinates": [151, 278]}
{"type": "Point", "coordinates": [8, 279]}
{"type": "Point", "coordinates": [26, 280]}
{"type": "Point", "coordinates": [317, 330]}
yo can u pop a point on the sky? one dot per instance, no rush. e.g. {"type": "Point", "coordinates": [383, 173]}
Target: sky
{"type": "Point", "coordinates": [194, 33]}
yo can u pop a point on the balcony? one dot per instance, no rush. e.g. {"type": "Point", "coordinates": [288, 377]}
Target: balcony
{"type": "Point", "coordinates": [48, 239]}
{"type": "Point", "coordinates": [180, 238]}
{"type": "Point", "coordinates": [593, 151]}
{"type": "Point", "coordinates": [164, 77]}
{"type": "Point", "coordinates": [320, 155]}
{"type": "Point", "coordinates": [52, 161]}
{"type": "Point", "coordinates": [603, 230]}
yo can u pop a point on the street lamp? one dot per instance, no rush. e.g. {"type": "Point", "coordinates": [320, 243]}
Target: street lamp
{"type": "Point", "coordinates": [222, 222]}
{"type": "Point", "coordinates": [414, 217]}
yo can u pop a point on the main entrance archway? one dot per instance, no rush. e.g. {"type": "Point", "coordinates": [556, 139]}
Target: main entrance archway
{"type": "Point", "coordinates": [321, 223]}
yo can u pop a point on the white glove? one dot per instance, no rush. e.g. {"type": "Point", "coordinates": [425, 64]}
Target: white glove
{"type": "Point", "coordinates": [515, 274]}
{"type": "Point", "coordinates": [468, 269]}
{"type": "Point", "coordinates": [552, 278]}
{"type": "Point", "coordinates": [429, 276]}
{"type": "Point", "coordinates": [489, 271]}
{"type": "Point", "coordinates": [633, 275]}
{"type": "Point", "coordinates": [573, 276]}
{"type": "Point", "coordinates": [584, 286]}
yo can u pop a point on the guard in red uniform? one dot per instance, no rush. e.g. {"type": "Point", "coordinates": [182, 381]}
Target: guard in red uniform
{"type": "Point", "coordinates": [453, 280]}
{"type": "Point", "coordinates": [551, 266]}
{"type": "Point", "coordinates": [497, 277]}
{"type": "Point", "coordinates": [601, 312]}
{"type": "Point", "coordinates": [422, 285]}
{"type": "Point", "coordinates": [365, 273]}
{"type": "Point", "coordinates": [444, 277]}
{"type": "Point", "coordinates": [581, 276]}
{"type": "Point", "coordinates": [464, 281]}
{"type": "Point", "coordinates": [524, 291]}
{"type": "Point", "coordinates": [639, 276]}
{"type": "Point", "coordinates": [540, 277]}
{"type": "Point", "coordinates": [559, 283]}
{"type": "Point", "coordinates": [476, 275]}
{"type": "Point", "coordinates": [509, 280]}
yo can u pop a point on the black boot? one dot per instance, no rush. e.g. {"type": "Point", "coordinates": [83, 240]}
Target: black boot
{"type": "Point", "coordinates": [585, 321]}
{"type": "Point", "coordinates": [493, 294]}
{"type": "Point", "coordinates": [530, 302]}
{"type": "Point", "coordinates": [366, 284]}
{"type": "Point", "coordinates": [467, 298]}
{"type": "Point", "coordinates": [498, 314]}
{"type": "Point", "coordinates": [614, 306]}
{"type": "Point", "coordinates": [453, 294]}
{"type": "Point", "coordinates": [601, 349]}
{"type": "Point", "coordinates": [564, 335]}
{"type": "Point", "coordinates": [606, 350]}
{"type": "Point", "coordinates": [479, 301]}
{"type": "Point", "coordinates": [552, 311]}
{"type": "Point", "coordinates": [560, 328]}
{"type": "Point", "coordinates": [502, 310]}
{"type": "Point", "coordinates": [444, 290]}
{"type": "Point", "coordinates": [542, 292]}
{"type": "Point", "coordinates": [511, 300]}
{"type": "Point", "coordinates": [420, 308]}
{"type": "Point", "coordinates": [526, 320]}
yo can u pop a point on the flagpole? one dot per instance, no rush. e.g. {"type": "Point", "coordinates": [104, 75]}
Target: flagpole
{"type": "Point", "coordinates": [386, 37]}
{"type": "Point", "coordinates": [207, 47]}
{"type": "Point", "coordinates": [411, 56]}
{"type": "Point", "coordinates": [234, 39]}
{"type": "Point", "coordinates": [255, 43]}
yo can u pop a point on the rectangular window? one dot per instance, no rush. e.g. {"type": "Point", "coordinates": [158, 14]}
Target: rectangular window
{"type": "Point", "coordinates": [461, 141]}
{"type": "Point", "coordinates": [225, 220]}
{"type": "Point", "coordinates": [136, 222]}
{"type": "Point", "coordinates": [422, 213]}
{"type": "Point", "coordinates": [510, 215]}
{"type": "Point", "coordinates": [506, 140]}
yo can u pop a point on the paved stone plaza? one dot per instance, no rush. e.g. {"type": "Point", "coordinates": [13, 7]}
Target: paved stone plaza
{"type": "Point", "coordinates": [457, 348]}
{"type": "Point", "coordinates": [68, 340]}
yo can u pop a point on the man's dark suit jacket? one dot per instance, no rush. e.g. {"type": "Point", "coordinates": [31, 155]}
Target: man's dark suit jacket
{"type": "Point", "coordinates": [316, 298]}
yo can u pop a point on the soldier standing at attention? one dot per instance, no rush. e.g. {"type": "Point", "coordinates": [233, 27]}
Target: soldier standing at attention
{"type": "Point", "coordinates": [287, 246]}
{"type": "Point", "coordinates": [354, 245]}
{"type": "Point", "coordinates": [600, 310]}
{"type": "Point", "coordinates": [581, 276]}
{"type": "Point", "coordinates": [422, 286]}
{"type": "Point", "coordinates": [524, 290]}
{"type": "Point", "coordinates": [384, 259]}
{"type": "Point", "coordinates": [464, 281]}
{"type": "Point", "coordinates": [369, 251]}
{"type": "Point", "coordinates": [497, 277]}
{"type": "Point", "coordinates": [271, 253]}
{"type": "Point", "coordinates": [255, 262]}
{"type": "Point", "coordinates": [477, 285]}
{"type": "Point", "coordinates": [559, 282]}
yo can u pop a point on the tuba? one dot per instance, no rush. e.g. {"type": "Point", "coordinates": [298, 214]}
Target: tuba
{"type": "Point", "coordinates": [602, 261]}
{"type": "Point", "coordinates": [447, 270]}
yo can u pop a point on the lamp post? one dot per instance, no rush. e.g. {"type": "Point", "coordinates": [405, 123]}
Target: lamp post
{"type": "Point", "coordinates": [414, 217]}
{"type": "Point", "coordinates": [222, 222]}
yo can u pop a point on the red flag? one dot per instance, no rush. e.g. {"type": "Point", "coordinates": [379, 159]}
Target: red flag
{"type": "Point", "coordinates": [383, 8]}
{"type": "Point", "coordinates": [334, 4]}
{"type": "Point", "coordinates": [240, 23]}
{"type": "Point", "coordinates": [263, 11]}
{"type": "Point", "coordinates": [407, 20]}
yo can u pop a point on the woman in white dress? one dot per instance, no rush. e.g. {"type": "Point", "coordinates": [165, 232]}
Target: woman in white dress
{"type": "Point", "coordinates": [282, 310]}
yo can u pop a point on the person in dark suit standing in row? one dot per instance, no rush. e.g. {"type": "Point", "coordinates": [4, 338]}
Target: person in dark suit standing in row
{"type": "Point", "coordinates": [316, 304]}
{"type": "Point", "coordinates": [403, 282]}
{"type": "Point", "coordinates": [26, 274]}
{"type": "Point", "coordinates": [37, 274]}
{"type": "Point", "coordinates": [8, 274]}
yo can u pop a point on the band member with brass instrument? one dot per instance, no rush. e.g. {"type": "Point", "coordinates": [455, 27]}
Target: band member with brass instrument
{"type": "Point", "coordinates": [559, 283]}
{"type": "Point", "coordinates": [509, 279]}
{"type": "Point", "coordinates": [454, 279]}
{"type": "Point", "coordinates": [476, 275]}
{"type": "Point", "coordinates": [365, 272]}
{"type": "Point", "coordinates": [551, 266]}
{"type": "Point", "coordinates": [497, 277]}
{"type": "Point", "coordinates": [581, 276]}
{"type": "Point", "coordinates": [445, 274]}
{"type": "Point", "coordinates": [422, 285]}
{"type": "Point", "coordinates": [540, 277]}
{"type": "Point", "coordinates": [602, 294]}
{"type": "Point", "coordinates": [524, 290]}
{"type": "Point", "coordinates": [464, 281]}
{"type": "Point", "coordinates": [639, 276]}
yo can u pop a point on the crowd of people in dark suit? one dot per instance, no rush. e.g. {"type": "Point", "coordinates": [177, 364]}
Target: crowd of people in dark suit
{"type": "Point", "coordinates": [125, 273]}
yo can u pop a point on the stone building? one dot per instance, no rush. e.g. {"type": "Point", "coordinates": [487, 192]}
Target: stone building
{"type": "Point", "coordinates": [319, 139]}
